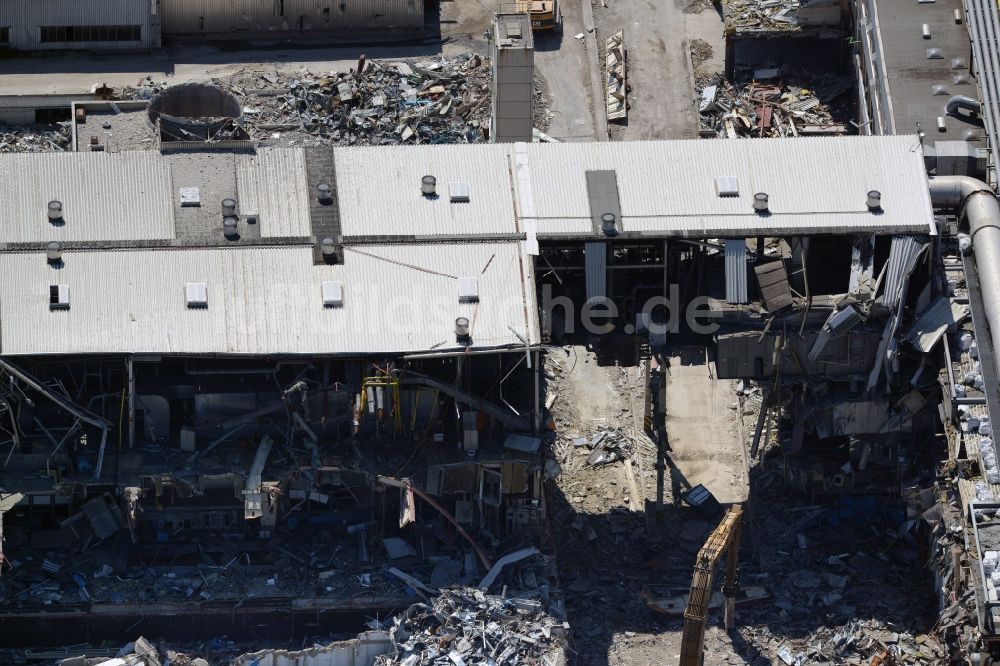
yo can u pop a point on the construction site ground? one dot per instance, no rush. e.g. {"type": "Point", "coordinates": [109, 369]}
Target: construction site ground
{"type": "Point", "coordinates": [613, 557]}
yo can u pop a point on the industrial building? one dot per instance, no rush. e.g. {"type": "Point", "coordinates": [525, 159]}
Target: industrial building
{"type": "Point", "coordinates": [131, 25]}
{"type": "Point", "coordinates": [267, 344]}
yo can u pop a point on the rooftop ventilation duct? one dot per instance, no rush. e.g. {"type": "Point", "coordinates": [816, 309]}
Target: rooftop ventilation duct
{"type": "Point", "coordinates": [229, 207]}
{"type": "Point", "coordinates": [324, 193]}
{"type": "Point", "coordinates": [956, 102]}
{"type": "Point", "coordinates": [55, 211]}
{"type": "Point", "coordinates": [760, 203]}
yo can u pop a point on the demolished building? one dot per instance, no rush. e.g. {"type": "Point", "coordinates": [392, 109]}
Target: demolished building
{"type": "Point", "coordinates": [301, 379]}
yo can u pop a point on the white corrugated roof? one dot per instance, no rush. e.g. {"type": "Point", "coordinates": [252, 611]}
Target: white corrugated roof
{"type": "Point", "coordinates": [669, 186]}
{"type": "Point", "coordinates": [105, 196]}
{"type": "Point", "coordinates": [397, 298]}
{"type": "Point", "coordinates": [272, 184]}
{"type": "Point", "coordinates": [666, 187]}
{"type": "Point", "coordinates": [378, 190]}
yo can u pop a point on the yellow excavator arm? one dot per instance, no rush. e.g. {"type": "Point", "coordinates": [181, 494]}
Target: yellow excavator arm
{"type": "Point", "coordinates": [724, 539]}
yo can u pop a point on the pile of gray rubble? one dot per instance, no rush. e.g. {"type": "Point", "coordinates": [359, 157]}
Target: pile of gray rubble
{"type": "Point", "coordinates": [440, 100]}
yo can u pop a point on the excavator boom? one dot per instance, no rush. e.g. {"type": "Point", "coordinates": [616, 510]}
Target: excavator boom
{"type": "Point", "coordinates": [724, 539]}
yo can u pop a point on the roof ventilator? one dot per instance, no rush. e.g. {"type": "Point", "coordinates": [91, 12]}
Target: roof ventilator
{"type": "Point", "coordinates": [330, 251]}
{"type": "Point", "coordinates": [196, 294]}
{"type": "Point", "coordinates": [468, 290]}
{"type": "Point", "coordinates": [760, 202]}
{"type": "Point", "coordinates": [609, 224]}
{"type": "Point", "coordinates": [230, 229]}
{"type": "Point", "coordinates": [53, 253]}
{"type": "Point", "coordinates": [459, 192]}
{"type": "Point", "coordinates": [428, 186]}
{"type": "Point", "coordinates": [59, 297]}
{"type": "Point", "coordinates": [462, 330]}
{"type": "Point", "coordinates": [874, 201]}
{"type": "Point", "coordinates": [55, 212]}
{"type": "Point", "coordinates": [324, 194]}
{"type": "Point", "coordinates": [727, 186]}
{"type": "Point", "coordinates": [333, 294]}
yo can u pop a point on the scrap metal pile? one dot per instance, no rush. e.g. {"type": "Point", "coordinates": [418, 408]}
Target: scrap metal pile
{"type": "Point", "coordinates": [777, 108]}
{"type": "Point", "coordinates": [466, 626]}
{"type": "Point", "coordinates": [445, 100]}
{"type": "Point", "coordinates": [35, 139]}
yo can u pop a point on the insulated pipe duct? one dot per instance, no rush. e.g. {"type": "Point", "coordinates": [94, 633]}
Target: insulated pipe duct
{"type": "Point", "coordinates": [982, 210]}
{"type": "Point", "coordinates": [956, 102]}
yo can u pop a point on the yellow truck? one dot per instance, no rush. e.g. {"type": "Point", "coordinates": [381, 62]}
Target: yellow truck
{"type": "Point", "coordinates": [544, 14]}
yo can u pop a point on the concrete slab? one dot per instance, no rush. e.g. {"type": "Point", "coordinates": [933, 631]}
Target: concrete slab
{"type": "Point", "coordinates": [701, 428]}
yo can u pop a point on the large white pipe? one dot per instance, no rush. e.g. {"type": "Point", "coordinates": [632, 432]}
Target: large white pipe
{"type": "Point", "coordinates": [980, 207]}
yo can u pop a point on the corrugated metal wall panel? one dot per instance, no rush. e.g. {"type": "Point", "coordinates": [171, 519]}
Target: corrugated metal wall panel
{"type": "Point", "coordinates": [105, 196]}
{"type": "Point", "coordinates": [736, 271]}
{"type": "Point", "coordinates": [596, 261]}
{"type": "Point", "coordinates": [263, 16]}
{"type": "Point", "coordinates": [397, 298]}
{"type": "Point", "coordinates": [24, 17]}
{"type": "Point", "coordinates": [903, 255]}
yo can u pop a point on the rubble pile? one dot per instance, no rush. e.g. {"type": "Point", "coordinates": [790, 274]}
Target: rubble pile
{"type": "Point", "coordinates": [466, 626]}
{"type": "Point", "coordinates": [445, 100]}
{"type": "Point", "coordinates": [39, 139]}
{"type": "Point", "coordinates": [776, 108]}
{"type": "Point", "coordinates": [750, 16]}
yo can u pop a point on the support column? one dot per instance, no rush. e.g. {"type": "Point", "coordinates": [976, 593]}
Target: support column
{"type": "Point", "coordinates": [131, 402]}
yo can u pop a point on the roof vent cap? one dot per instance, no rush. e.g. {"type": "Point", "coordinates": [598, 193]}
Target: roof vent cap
{"type": "Point", "coordinates": [609, 224]}
{"type": "Point", "coordinates": [55, 210]}
{"type": "Point", "coordinates": [760, 202]}
{"type": "Point", "coordinates": [462, 329]}
{"type": "Point", "coordinates": [324, 193]}
{"type": "Point", "coordinates": [229, 207]}
{"type": "Point", "coordinates": [428, 186]}
{"type": "Point", "coordinates": [874, 200]}
{"type": "Point", "coordinates": [53, 253]}
{"type": "Point", "coordinates": [230, 229]}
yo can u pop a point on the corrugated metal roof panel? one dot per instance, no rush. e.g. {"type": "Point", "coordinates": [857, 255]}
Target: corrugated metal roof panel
{"type": "Point", "coordinates": [736, 271]}
{"type": "Point", "coordinates": [812, 183]}
{"type": "Point", "coordinates": [378, 190]}
{"type": "Point", "coordinates": [105, 196]}
{"type": "Point", "coordinates": [397, 298]}
{"type": "Point", "coordinates": [272, 183]}
{"type": "Point", "coordinates": [934, 321]}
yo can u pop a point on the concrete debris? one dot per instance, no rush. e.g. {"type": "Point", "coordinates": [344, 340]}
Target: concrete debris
{"type": "Point", "coordinates": [781, 106]}
{"type": "Point", "coordinates": [466, 626]}
{"type": "Point", "coordinates": [444, 100]}
{"type": "Point", "coordinates": [762, 16]}
{"type": "Point", "coordinates": [36, 139]}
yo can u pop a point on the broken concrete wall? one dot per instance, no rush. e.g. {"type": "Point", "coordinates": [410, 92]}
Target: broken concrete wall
{"type": "Point", "coordinates": [360, 651]}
